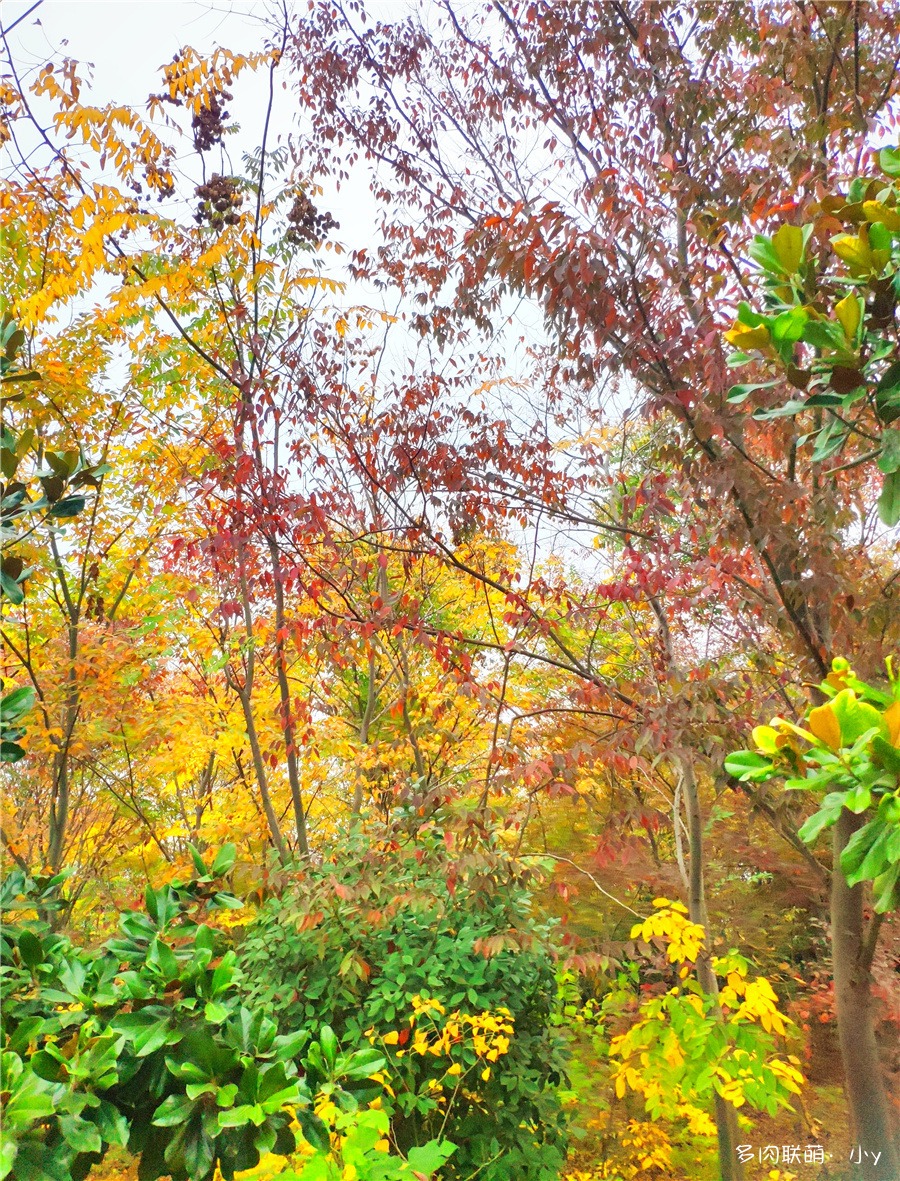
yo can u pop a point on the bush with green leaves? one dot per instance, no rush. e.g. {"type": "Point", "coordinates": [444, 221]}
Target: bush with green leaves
{"type": "Point", "coordinates": [429, 955]}
{"type": "Point", "coordinates": [146, 1043]}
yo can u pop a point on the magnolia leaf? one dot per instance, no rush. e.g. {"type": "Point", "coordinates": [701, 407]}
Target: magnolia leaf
{"type": "Point", "coordinates": [886, 890]}
{"type": "Point", "coordinates": [850, 311]}
{"type": "Point", "coordinates": [788, 246]}
{"type": "Point", "coordinates": [823, 722]}
{"type": "Point", "coordinates": [224, 860]}
{"type": "Point", "coordinates": [11, 589]}
{"type": "Point", "coordinates": [889, 459]}
{"type": "Point", "coordinates": [738, 393]}
{"type": "Point", "coordinates": [886, 754]}
{"type": "Point", "coordinates": [862, 858]}
{"type": "Point", "coordinates": [832, 806]}
{"type": "Point", "coordinates": [748, 765]}
{"type": "Point", "coordinates": [30, 949]}
{"type": "Point", "coordinates": [889, 160]}
{"type": "Point", "coordinates": [889, 500]}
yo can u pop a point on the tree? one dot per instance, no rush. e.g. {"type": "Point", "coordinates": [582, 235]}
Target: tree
{"type": "Point", "coordinates": [672, 134]}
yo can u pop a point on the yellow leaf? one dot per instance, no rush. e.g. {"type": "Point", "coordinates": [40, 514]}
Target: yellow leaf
{"type": "Point", "coordinates": [849, 312]}
{"type": "Point", "coordinates": [877, 211]}
{"type": "Point", "coordinates": [743, 337]}
{"type": "Point", "coordinates": [824, 724]}
{"type": "Point", "coordinates": [892, 721]}
{"type": "Point", "coordinates": [855, 251]}
{"type": "Point", "coordinates": [788, 245]}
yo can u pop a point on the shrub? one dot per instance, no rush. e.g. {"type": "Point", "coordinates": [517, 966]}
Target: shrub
{"type": "Point", "coordinates": [435, 960]}
{"type": "Point", "coordinates": [146, 1043]}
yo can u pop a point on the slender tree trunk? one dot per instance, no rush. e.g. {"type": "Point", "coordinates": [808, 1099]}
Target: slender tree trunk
{"type": "Point", "coordinates": [730, 1167]}
{"type": "Point", "coordinates": [284, 691]}
{"type": "Point", "coordinates": [259, 768]}
{"type": "Point", "coordinates": [245, 696]}
{"type": "Point", "coordinates": [875, 1142]}
{"type": "Point", "coordinates": [365, 722]}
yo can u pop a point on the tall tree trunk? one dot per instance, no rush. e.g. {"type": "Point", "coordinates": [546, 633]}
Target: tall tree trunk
{"type": "Point", "coordinates": [851, 952]}
{"type": "Point", "coordinates": [284, 692]}
{"type": "Point", "coordinates": [730, 1167]}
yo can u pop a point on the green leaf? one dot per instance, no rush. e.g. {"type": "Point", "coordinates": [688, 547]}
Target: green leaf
{"type": "Point", "coordinates": [889, 160]}
{"type": "Point", "coordinates": [11, 752]}
{"type": "Point", "coordinates": [788, 327]}
{"type": "Point", "coordinates": [199, 1153]}
{"type": "Point", "coordinates": [79, 1134]}
{"type": "Point", "coordinates": [225, 859]}
{"type": "Point", "coordinates": [112, 1123]}
{"type": "Point", "coordinates": [174, 1110]}
{"type": "Point", "coordinates": [887, 394]}
{"type": "Point", "coordinates": [748, 765]}
{"type": "Point", "coordinates": [11, 589]}
{"type": "Point", "coordinates": [787, 410]}
{"type": "Point", "coordinates": [889, 500]}
{"type": "Point", "coordinates": [855, 717]}
{"type": "Point", "coordinates": [886, 890]}
{"type": "Point", "coordinates": [889, 459]}
{"type": "Point", "coordinates": [239, 1117]}
{"type": "Point", "coordinates": [17, 703]}
{"type": "Point", "coordinates": [30, 949]}
{"type": "Point", "coordinates": [887, 755]}
{"type": "Point", "coordinates": [329, 1044]}
{"type": "Point", "coordinates": [832, 806]}
{"type": "Point", "coordinates": [738, 393]}
{"type": "Point", "coordinates": [431, 1156]}
{"type": "Point", "coordinates": [214, 1012]}
{"type": "Point", "coordinates": [862, 858]}
{"type": "Point", "coordinates": [199, 863]}
{"type": "Point", "coordinates": [70, 506]}
{"type": "Point", "coordinates": [829, 441]}
{"type": "Point", "coordinates": [315, 1132]}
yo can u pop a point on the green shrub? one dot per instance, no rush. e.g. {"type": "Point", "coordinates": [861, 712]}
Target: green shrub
{"type": "Point", "coordinates": [435, 960]}
{"type": "Point", "coordinates": [146, 1043]}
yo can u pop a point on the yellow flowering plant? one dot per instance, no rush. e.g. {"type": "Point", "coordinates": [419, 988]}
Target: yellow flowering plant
{"type": "Point", "coordinates": [687, 1044]}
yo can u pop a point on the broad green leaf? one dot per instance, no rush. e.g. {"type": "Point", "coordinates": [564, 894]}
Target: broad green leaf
{"type": "Point", "coordinates": [889, 460]}
{"type": "Point", "coordinates": [889, 160]}
{"type": "Point", "coordinates": [886, 890]}
{"type": "Point", "coordinates": [224, 860]}
{"type": "Point", "coordinates": [889, 500]}
{"type": "Point", "coordinates": [11, 589]}
{"type": "Point", "coordinates": [832, 806]}
{"type": "Point", "coordinates": [30, 949]}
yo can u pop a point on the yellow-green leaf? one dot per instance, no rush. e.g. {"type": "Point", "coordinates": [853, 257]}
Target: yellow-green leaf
{"type": "Point", "coordinates": [788, 245]}
{"type": "Point", "coordinates": [849, 312]}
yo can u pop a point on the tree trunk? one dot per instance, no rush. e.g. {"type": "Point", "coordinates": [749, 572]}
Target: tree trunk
{"type": "Point", "coordinates": [287, 713]}
{"type": "Point", "coordinates": [730, 1167]}
{"type": "Point", "coordinates": [875, 1149]}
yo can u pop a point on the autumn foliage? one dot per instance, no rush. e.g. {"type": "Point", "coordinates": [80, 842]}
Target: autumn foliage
{"type": "Point", "coordinates": [389, 611]}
